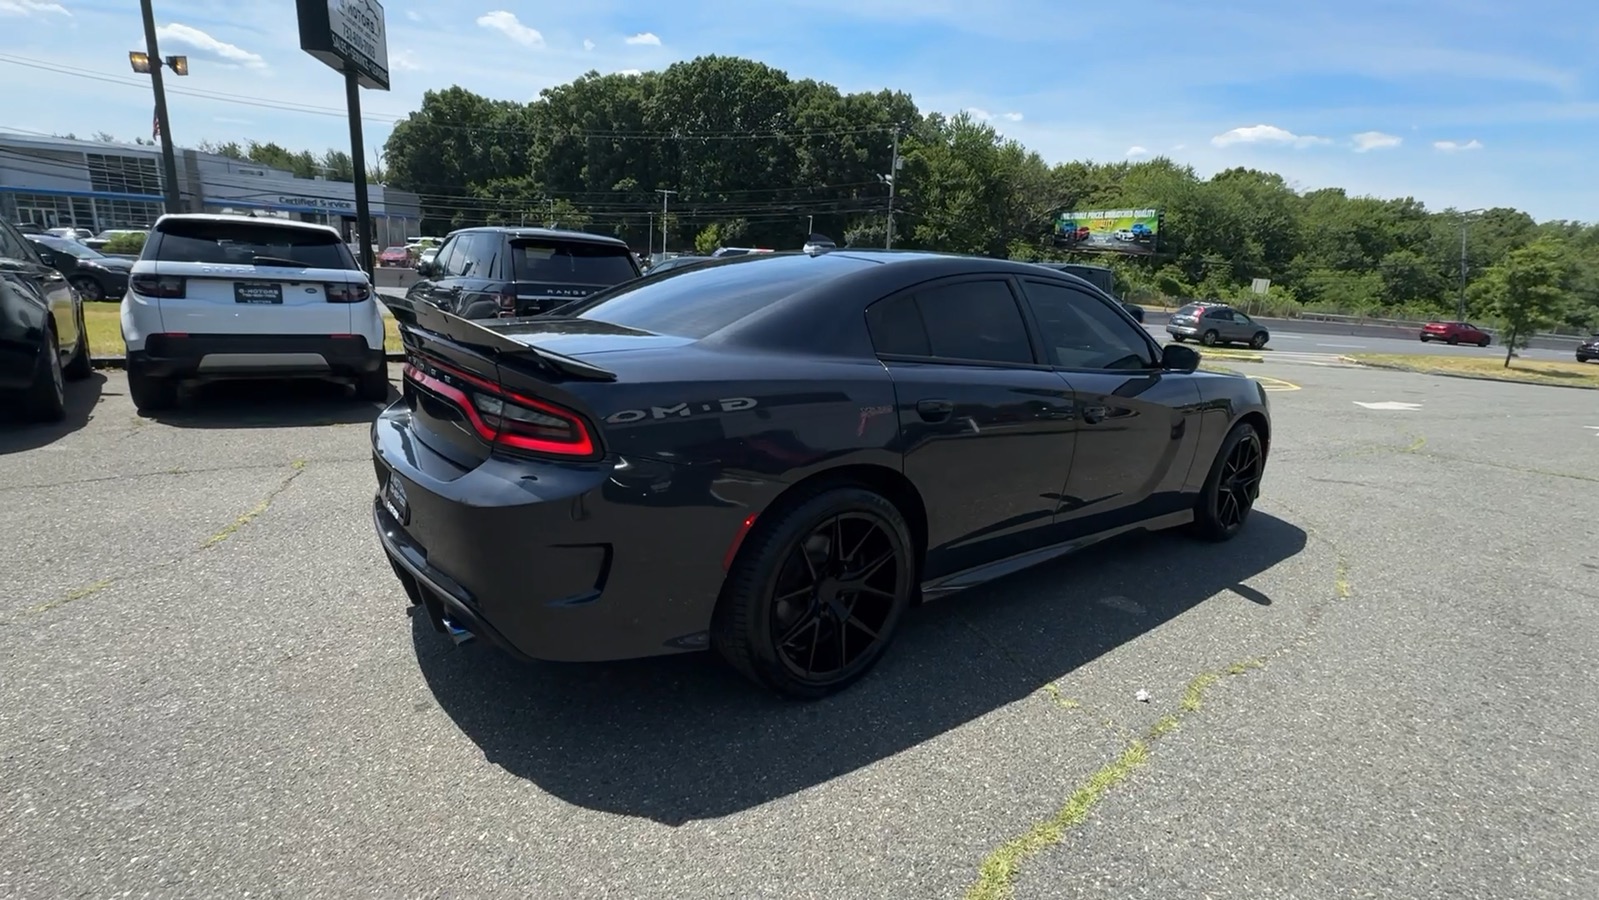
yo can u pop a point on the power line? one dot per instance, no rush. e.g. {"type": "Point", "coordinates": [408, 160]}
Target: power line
{"type": "Point", "coordinates": [556, 131]}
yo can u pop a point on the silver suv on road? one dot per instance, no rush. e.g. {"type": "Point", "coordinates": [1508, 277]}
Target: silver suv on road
{"type": "Point", "coordinates": [1216, 323]}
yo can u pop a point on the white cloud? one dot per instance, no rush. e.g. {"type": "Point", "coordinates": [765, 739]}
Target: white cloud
{"type": "Point", "coordinates": [509, 25]}
{"type": "Point", "coordinates": [218, 51]}
{"type": "Point", "coordinates": [405, 61]}
{"type": "Point", "coordinates": [981, 115]}
{"type": "Point", "coordinates": [29, 7]}
{"type": "Point", "coordinates": [1012, 117]}
{"type": "Point", "coordinates": [1176, 147]}
{"type": "Point", "coordinates": [1136, 151]}
{"type": "Point", "coordinates": [1376, 140]}
{"type": "Point", "coordinates": [1265, 134]}
{"type": "Point", "coordinates": [1456, 146]}
{"type": "Point", "coordinates": [413, 15]}
{"type": "Point", "coordinates": [644, 39]}
{"type": "Point", "coordinates": [588, 44]}
{"type": "Point", "coordinates": [630, 72]}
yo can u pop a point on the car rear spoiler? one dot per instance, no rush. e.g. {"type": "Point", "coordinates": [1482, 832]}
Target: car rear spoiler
{"type": "Point", "coordinates": [427, 317]}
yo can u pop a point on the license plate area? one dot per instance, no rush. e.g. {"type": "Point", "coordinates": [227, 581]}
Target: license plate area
{"type": "Point", "coordinates": [264, 292]}
{"type": "Point", "coordinates": [395, 501]}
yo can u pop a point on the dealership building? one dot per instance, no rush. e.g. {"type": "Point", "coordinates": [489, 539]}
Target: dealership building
{"type": "Point", "coordinates": [61, 182]}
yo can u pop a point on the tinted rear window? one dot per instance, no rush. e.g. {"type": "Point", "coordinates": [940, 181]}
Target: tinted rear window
{"type": "Point", "coordinates": [239, 243]}
{"type": "Point", "coordinates": [699, 300]}
{"type": "Point", "coordinates": [570, 262]}
{"type": "Point", "coordinates": [1189, 310]}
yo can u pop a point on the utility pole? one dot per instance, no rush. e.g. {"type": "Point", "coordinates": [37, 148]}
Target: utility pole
{"type": "Point", "coordinates": [893, 176]}
{"type": "Point", "coordinates": [666, 195]}
{"type": "Point", "coordinates": [649, 239]}
{"type": "Point", "coordinates": [549, 221]}
{"type": "Point", "coordinates": [169, 159]}
{"type": "Point", "coordinates": [1460, 309]}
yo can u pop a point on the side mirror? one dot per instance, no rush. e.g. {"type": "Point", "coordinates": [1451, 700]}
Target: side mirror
{"type": "Point", "coordinates": [1178, 358]}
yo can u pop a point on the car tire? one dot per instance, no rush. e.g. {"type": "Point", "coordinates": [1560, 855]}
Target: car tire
{"type": "Point", "coordinates": [1258, 341]}
{"type": "Point", "coordinates": [150, 393]}
{"type": "Point", "coordinates": [1453, 341]}
{"type": "Point", "coordinates": [1209, 338]}
{"type": "Point", "coordinates": [1178, 338]}
{"type": "Point", "coordinates": [45, 399]}
{"type": "Point", "coordinates": [88, 288]}
{"type": "Point", "coordinates": [1232, 486]}
{"type": "Point", "coordinates": [785, 578]}
{"type": "Point", "coordinates": [373, 386]}
{"type": "Point", "coordinates": [1483, 343]}
{"type": "Point", "coordinates": [81, 365]}
{"type": "Point", "coordinates": [1425, 339]}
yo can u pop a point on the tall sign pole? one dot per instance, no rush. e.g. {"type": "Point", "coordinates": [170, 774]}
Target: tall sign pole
{"type": "Point", "coordinates": [169, 157]}
{"type": "Point", "coordinates": [351, 37]}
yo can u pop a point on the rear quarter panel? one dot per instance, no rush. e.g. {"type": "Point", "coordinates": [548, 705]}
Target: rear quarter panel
{"type": "Point", "coordinates": [1225, 400]}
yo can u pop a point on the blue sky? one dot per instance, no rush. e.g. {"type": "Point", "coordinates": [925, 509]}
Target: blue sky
{"type": "Point", "coordinates": [1460, 103]}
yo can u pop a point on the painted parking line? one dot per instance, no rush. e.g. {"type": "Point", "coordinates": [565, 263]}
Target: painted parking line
{"type": "Point", "coordinates": [1275, 384]}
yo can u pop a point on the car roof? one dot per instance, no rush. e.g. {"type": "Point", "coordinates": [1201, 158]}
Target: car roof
{"type": "Point", "coordinates": [556, 233]}
{"type": "Point", "coordinates": [243, 220]}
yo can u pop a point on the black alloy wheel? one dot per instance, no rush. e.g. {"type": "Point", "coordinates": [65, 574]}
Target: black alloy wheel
{"type": "Point", "coordinates": [1233, 487]}
{"type": "Point", "coordinates": [816, 593]}
{"type": "Point", "coordinates": [88, 288]}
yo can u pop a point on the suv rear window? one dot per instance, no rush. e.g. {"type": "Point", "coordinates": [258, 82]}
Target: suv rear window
{"type": "Point", "coordinates": [239, 243]}
{"type": "Point", "coordinates": [1192, 309]}
{"type": "Point", "coordinates": [549, 261]}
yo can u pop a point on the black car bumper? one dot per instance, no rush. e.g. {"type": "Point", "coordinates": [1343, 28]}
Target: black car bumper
{"type": "Point", "coordinates": [256, 356]}
{"type": "Point", "coordinates": [551, 561]}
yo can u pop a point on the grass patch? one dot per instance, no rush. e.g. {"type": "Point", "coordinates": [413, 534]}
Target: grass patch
{"type": "Point", "coordinates": [104, 324]}
{"type": "Point", "coordinates": [1529, 371]}
{"type": "Point", "coordinates": [1231, 355]}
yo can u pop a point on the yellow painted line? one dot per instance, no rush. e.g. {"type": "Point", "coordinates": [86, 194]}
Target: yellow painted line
{"type": "Point", "coordinates": [1276, 384]}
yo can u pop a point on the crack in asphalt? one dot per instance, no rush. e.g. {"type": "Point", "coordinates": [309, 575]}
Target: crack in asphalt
{"type": "Point", "coordinates": [227, 531]}
{"type": "Point", "coordinates": [996, 874]}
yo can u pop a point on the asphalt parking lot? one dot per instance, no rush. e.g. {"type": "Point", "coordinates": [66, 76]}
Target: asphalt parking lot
{"type": "Point", "coordinates": [209, 686]}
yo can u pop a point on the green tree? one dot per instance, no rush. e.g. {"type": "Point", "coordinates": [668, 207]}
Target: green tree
{"type": "Point", "coordinates": [1526, 292]}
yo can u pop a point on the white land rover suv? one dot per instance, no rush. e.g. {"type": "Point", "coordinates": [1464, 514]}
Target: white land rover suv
{"type": "Point", "coordinates": [222, 297]}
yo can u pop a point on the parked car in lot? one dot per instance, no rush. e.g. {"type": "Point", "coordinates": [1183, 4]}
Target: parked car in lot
{"type": "Point", "coordinates": [1216, 323]}
{"type": "Point", "coordinates": [92, 273]}
{"type": "Point", "coordinates": [395, 257]}
{"type": "Point", "coordinates": [676, 262]}
{"type": "Point", "coordinates": [217, 297]}
{"type": "Point", "coordinates": [775, 456]}
{"type": "Point", "coordinates": [1588, 349]}
{"type": "Point", "coordinates": [1455, 333]}
{"type": "Point", "coordinates": [43, 343]}
{"type": "Point", "coordinates": [71, 234]}
{"type": "Point", "coordinates": [506, 272]}
{"type": "Point", "coordinates": [1101, 277]}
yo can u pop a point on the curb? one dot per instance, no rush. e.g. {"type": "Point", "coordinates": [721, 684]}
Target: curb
{"type": "Point", "coordinates": [1244, 358]}
{"type": "Point", "coordinates": [121, 362]}
{"type": "Point", "coordinates": [1393, 368]}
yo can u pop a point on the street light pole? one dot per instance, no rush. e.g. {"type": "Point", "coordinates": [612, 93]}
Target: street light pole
{"type": "Point", "coordinates": [665, 196]}
{"type": "Point", "coordinates": [892, 179]}
{"type": "Point", "coordinates": [169, 159]}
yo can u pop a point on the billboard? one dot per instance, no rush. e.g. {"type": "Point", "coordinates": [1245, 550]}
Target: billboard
{"type": "Point", "coordinates": [347, 33]}
{"type": "Point", "coordinates": [1109, 230]}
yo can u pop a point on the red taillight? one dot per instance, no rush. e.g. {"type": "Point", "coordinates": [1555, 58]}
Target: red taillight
{"type": "Point", "coordinates": [171, 287]}
{"type": "Point", "coordinates": [508, 419]}
{"type": "Point", "coordinates": [507, 305]}
{"type": "Point", "coordinates": [344, 292]}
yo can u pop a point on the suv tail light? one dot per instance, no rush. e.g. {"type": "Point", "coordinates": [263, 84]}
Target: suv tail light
{"type": "Point", "coordinates": [507, 419]}
{"type": "Point", "coordinates": [507, 305]}
{"type": "Point", "coordinates": [345, 292]}
{"type": "Point", "coordinates": [171, 287]}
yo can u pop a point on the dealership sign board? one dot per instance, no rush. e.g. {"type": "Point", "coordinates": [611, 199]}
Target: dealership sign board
{"type": "Point", "coordinates": [1110, 230]}
{"type": "Point", "coordinates": [347, 33]}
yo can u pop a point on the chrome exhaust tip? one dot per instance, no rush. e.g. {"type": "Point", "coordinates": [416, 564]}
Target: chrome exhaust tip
{"type": "Point", "coordinates": [457, 634]}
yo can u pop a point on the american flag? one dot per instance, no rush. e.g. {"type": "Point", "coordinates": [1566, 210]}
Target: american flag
{"type": "Point", "coordinates": [155, 126]}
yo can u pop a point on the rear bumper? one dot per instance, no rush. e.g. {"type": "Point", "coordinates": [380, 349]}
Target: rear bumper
{"type": "Point", "coordinates": [256, 355]}
{"type": "Point", "coordinates": [564, 562]}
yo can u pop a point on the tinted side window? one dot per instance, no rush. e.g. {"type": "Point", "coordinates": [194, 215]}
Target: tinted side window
{"type": "Point", "coordinates": [896, 327]}
{"type": "Point", "coordinates": [1081, 331]}
{"type": "Point", "coordinates": [12, 245]}
{"type": "Point", "coordinates": [476, 255]}
{"type": "Point", "coordinates": [975, 320]}
{"type": "Point", "coordinates": [447, 252]}
{"type": "Point", "coordinates": [461, 258]}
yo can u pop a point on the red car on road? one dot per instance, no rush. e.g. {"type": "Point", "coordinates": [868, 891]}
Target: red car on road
{"type": "Point", "coordinates": [1455, 333]}
{"type": "Point", "coordinates": [395, 256]}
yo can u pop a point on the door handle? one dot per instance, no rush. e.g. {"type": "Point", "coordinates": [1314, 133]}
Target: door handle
{"type": "Point", "coordinates": [934, 410]}
{"type": "Point", "coordinates": [1093, 415]}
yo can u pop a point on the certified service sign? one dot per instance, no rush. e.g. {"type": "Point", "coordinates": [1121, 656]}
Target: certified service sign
{"type": "Point", "coordinates": [347, 33]}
